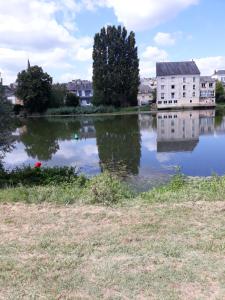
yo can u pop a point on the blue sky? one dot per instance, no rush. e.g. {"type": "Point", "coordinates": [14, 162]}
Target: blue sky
{"type": "Point", "coordinates": [58, 34]}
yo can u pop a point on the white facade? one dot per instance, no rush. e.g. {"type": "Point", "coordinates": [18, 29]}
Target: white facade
{"type": "Point", "coordinates": [178, 91]}
{"type": "Point", "coordinates": [207, 91]}
{"type": "Point", "coordinates": [219, 75]}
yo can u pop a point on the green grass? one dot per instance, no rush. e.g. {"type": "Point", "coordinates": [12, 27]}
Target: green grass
{"type": "Point", "coordinates": [94, 110]}
{"type": "Point", "coordinates": [168, 243]}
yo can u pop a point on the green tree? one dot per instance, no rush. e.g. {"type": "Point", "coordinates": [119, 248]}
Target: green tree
{"type": "Point", "coordinates": [72, 100]}
{"type": "Point", "coordinates": [58, 95]}
{"type": "Point", "coordinates": [220, 94]}
{"type": "Point", "coordinates": [115, 67]}
{"type": "Point", "coordinates": [34, 88]}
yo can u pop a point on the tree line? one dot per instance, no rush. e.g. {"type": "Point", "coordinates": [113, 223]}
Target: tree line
{"type": "Point", "coordinates": [115, 76]}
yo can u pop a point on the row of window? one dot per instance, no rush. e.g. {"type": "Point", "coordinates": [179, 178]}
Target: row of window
{"type": "Point", "coordinates": [169, 102]}
{"type": "Point", "coordinates": [173, 78]}
{"type": "Point", "coordinates": [203, 85]}
{"type": "Point", "coordinates": [173, 95]}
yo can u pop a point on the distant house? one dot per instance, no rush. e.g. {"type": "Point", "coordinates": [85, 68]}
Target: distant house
{"type": "Point", "coordinates": [178, 85]}
{"type": "Point", "coordinates": [83, 89]}
{"type": "Point", "coordinates": [145, 95]}
{"type": "Point", "coordinates": [219, 75]}
{"type": "Point", "coordinates": [207, 89]}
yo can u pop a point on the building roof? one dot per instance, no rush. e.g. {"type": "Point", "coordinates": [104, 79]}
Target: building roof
{"type": "Point", "coordinates": [207, 79]}
{"type": "Point", "coordinates": [79, 85]}
{"type": "Point", "coordinates": [219, 72]}
{"type": "Point", "coordinates": [177, 68]}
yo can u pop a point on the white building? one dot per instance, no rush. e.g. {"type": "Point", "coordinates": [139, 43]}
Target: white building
{"type": "Point", "coordinates": [83, 89]}
{"type": "Point", "coordinates": [145, 95]}
{"type": "Point", "coordinates": [178, 85]}
{"type": "Point", "coordinates": [219, 75]}
{"type": "Point", "coordinates": [207, 90]}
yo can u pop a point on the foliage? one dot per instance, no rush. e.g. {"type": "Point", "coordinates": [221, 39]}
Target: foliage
{"type": "Point", "coordinates": [81, 110]}
{"type": "Point", "coordinates": [115, 67]}
{"type": "Point", "coordinates": [17, 108]}
{"type": "Point", "coordinates": [29, 176]}
{"type": "Point", "coordinates": [106, 189]}
{"type": "Point", "coordinates": [58, 95]}
{"type": "Point", "coordinates": [34, 88]}
{"type": "Point", "coordinates": [72, 100]}
{"type": "Point", "coordinates": [220, 94]}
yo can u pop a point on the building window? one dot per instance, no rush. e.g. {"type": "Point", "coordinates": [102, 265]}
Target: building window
{"type": "Point", "coordinates": [173, 78]}
{"type": "Point", "coordinates": [162, 87]}
{"type": "Point", "coordinates": [190, 101]}
{"type": "Point", "coordinates": [193, 79]}
{"type": "Point", "coordinates": [184, 79]}
{"type": "Point", "coordinates": [210, 85]}
{"type": "Point", "coordinates": [172, 130]}
{"type": "Point", "coordinates": [175, 101]}
{"type": "Point", "coordinates": [170, 101]}
{"type": "Point", "coordinates": [162, 95]}
{"type": "Point", "coordinates": [165, 102]}
{"type": "Point", "coordinates": [184, 95]}
{"type": "Point", "coordinates": [184, 87]}
{"type": "Point", "coordinates": [203, 85]}
{"type": "Point", "coordinates": [162, 78]}
{"type": "Point", "coordinates": [193, 94]}
{"type": "Point", "coordinates": [172, 95]}
{"type": "Point", "coordinates": [194, 87]}
{"type": "Point", "coordinates": [173, 87]}
{"type": "Point", "coordinates": [159, 102]}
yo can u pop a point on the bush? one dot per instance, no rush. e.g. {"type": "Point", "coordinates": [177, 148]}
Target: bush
{"type": "Point", "coordinates": [106, 189]}
{"type": "Point", "coordinates": [72, 100]}
{"type": "Point", "coordinates": [17, 108]}
{"type": "Point", "coordinates": [80, 110]}
{"type": "Point", "coordinates": [30, 176]}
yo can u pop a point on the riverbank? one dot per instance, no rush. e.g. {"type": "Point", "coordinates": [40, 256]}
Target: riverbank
{"type": "Point", "coordinates": [167, 243]}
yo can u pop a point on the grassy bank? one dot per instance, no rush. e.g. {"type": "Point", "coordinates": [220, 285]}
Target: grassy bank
{"type": "Point", "coordinates": [167, 243]}
{"type": "Point", "coordinates": [93, 110]}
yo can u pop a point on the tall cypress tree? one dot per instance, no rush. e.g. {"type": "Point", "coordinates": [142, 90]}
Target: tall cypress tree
{"type": "Point", "coordinates": [115, 67]}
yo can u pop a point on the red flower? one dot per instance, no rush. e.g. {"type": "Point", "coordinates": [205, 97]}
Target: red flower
{"type": "Point", "coordinates": [38, 164]}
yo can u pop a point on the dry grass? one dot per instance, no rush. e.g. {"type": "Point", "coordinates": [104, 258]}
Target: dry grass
{"type": "Point", "coordinates": [159, 251]}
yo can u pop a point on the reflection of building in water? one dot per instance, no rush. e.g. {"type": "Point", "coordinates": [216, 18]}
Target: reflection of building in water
{"type": "Point", "coordinates": [206, 122]}
{"type": "Point", "coordinates": [87, 130]}
{"type": "Point", "coordinates": [179, 131]}
{"type": "Point", "coordinates": [146, 121]}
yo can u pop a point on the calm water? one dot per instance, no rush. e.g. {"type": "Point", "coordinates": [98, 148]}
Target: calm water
{"type": "Point", "coordinates": [144, 149]}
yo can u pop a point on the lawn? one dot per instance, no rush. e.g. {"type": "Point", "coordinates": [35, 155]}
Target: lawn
{"type": "Point", "coordinates": [137, 251]}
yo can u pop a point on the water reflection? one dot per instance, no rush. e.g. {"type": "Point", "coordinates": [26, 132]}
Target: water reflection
{"type": "Point", "coordinates": [144, 145]}
{"type": "Point", "coordinates": [180, 130]}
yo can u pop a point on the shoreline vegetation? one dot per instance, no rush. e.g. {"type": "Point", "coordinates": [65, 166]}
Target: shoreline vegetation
{"type": "Point", "coordinates": [95, 238]}
{"type": "Point", "coordinates": [24, 184]}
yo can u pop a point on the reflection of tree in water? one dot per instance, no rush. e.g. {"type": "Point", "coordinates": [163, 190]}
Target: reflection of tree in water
{"type": "Point", "coordinates": [118, 140]}
{"type": "Point", "coordinates": [6, 138]}
{"type": "Point", "coordinates": [41, 139]}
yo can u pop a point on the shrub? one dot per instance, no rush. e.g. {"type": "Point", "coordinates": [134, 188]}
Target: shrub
{"type": "Point", "coordinates": [106, 189]}
{"type": "Point", "coordinates": [80, 110]}
{"type": "Point", "coordinates": [17, 108]}
{"type": "Point", "coordinates": [72, 100]}
{"type": "Point", "coordinates": [30, 176]}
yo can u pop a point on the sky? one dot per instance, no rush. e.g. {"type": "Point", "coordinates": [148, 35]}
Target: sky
{"type": "Point", "coordinates": [58, 34]}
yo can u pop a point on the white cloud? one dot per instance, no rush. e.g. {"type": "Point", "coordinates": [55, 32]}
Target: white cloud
{"type": "Point", "coordinates": [164, 39]}
{"type": "Point", "coordinates": [154, 53]}
{"type": "Point", "coordinates": [146, 14]}
{"type": "Point", "coordinates": [149, 58]}
{"type": "Point", "coordinates": [41, 31]}
{"type": "Point", "coordinates": [208, 65]}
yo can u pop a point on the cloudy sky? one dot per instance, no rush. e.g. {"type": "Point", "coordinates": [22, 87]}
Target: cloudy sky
{"type": "Point", "coordinates": [58, 34]}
